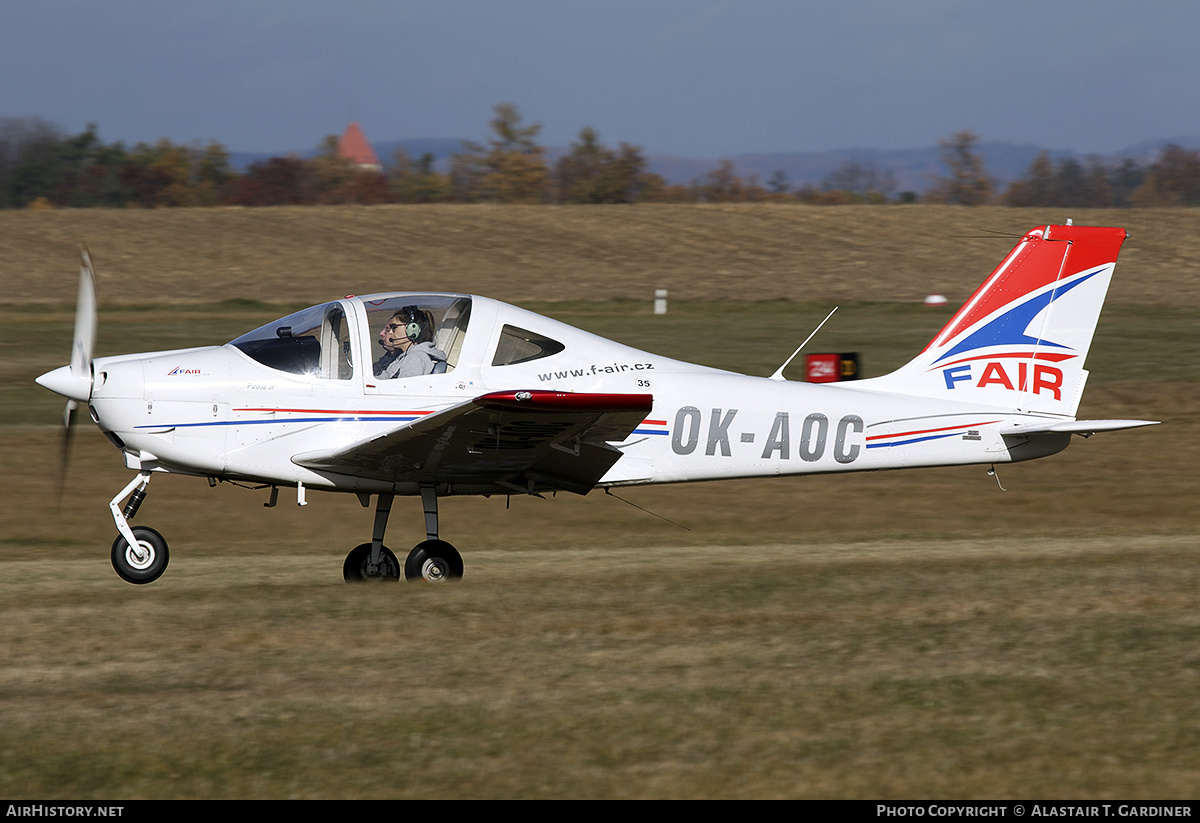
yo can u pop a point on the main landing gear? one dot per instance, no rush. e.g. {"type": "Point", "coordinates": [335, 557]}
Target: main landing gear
{"type": "Point", "coordinates": [139, 554]}
{"type": "Point", "coordinates": [432, 560]}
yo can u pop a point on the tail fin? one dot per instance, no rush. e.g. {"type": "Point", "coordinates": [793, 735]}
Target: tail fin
{"type": "Point", "coordinates": [1020, 341]}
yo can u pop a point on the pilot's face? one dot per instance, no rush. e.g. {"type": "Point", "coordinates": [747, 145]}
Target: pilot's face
{"type": "Point", "coordinates": [393, 336]}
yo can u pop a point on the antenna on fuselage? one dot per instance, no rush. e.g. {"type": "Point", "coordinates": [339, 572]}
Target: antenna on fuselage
{"type": "Point", "coordinates": [609, 492]}
{"type": "Point", "coordinates": [778, 375]}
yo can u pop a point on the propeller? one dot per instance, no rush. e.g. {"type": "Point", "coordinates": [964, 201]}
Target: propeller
{"type": "Point", "coordinates": [74, 381]}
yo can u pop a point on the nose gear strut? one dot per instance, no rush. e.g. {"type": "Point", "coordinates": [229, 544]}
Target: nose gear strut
{"type": "Point", "coordinates": [139, 554]}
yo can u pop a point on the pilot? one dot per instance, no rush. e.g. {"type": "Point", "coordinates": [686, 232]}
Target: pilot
{"type": "Point", "coordinates": [407, 339]}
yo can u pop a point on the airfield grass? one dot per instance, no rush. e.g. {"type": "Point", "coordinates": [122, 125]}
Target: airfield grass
{"type": "Point", "coordinates": [886, 635]}
{"type": "Point", "coordinates": [754, 251]}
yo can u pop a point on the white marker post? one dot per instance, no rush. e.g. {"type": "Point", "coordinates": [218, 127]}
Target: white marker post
{"type": "Point", "coordinates": [660, 301]}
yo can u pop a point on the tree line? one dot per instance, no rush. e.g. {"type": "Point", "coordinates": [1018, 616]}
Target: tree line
{"type": "Point", "coordinates": [1173, 179]}
{"type": "Point", "coordinates": [41, 167]}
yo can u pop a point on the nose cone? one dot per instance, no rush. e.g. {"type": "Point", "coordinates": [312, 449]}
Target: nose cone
{"type": "Point", "coordinates": [63, 381]}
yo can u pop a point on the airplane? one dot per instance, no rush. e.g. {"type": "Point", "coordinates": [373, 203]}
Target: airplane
{"type": "Point", "coordinates": [497, 400]}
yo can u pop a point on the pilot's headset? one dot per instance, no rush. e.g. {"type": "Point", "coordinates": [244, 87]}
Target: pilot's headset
{"type": "Point", "coordinates": [416, 324]}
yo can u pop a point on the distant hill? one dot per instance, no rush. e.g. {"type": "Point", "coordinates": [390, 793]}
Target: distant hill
{"type": "Point", "coordinates": [912, 169]}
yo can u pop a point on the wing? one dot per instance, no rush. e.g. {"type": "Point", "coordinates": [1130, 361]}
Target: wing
{"type": "Point", "coordinates": [525, 441]}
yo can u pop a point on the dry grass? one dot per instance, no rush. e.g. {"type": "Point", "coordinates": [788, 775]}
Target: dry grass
{"type": "Point", "coordinates": [915, 634]}
{"type": "Point", "coordinates": [755, 252]}
{"type": "Point", "coordinates": [988, 668]}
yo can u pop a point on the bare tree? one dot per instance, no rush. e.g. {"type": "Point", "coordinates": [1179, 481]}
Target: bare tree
{"type": "Point", "coordinates": [968, 183]}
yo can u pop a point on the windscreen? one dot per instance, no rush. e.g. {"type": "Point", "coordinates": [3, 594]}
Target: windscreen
{"type": "Point", "coordinates": [314, 342]}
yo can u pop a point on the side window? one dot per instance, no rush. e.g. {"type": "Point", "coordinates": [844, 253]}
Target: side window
{"type": "Point", "coordinates": [416, 334]}
{"type": "Point", "coordinates": [520, 346]}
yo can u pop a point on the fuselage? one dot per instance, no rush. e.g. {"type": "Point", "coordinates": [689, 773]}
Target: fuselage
{"type": "Point", "coordinates": [243, 410]}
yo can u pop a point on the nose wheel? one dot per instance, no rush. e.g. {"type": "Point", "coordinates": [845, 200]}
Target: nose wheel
{"type": "Point", "coordinates": [145, 560]}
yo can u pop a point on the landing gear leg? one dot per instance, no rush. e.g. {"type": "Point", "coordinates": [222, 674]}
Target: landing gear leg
{"type": "Point", "coordinates": [139, 554]}
{"type": "Point", "coordinates": [383, 510]}
{"type": "Point", "coordinates": [432, 560]}
{"type": "Point", "coordinates": [429, 504]}
{"type": "Point", "coordinates": [374, 561]}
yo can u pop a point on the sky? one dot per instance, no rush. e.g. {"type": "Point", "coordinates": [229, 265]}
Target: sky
{"type": "Point", "coordinates": [695, 78]}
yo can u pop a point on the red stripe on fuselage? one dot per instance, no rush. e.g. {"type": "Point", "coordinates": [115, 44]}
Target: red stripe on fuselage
{"type": "Point", "coordinates": [931, 431]}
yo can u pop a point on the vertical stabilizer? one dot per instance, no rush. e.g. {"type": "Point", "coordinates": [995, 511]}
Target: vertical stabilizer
{"type": "Point", "coordinates": [1021, 340]}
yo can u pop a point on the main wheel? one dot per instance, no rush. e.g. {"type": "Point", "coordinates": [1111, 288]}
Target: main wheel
{"type": "Point", "coordinates": [143, 563]}
{"type": "Point", "coordinates": [358, 565]}
{"type": "Point", "coordinates": [434, 561]}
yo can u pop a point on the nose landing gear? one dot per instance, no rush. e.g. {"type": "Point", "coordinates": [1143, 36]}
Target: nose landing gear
{"type": "Point", "coordinates": [139, 554]}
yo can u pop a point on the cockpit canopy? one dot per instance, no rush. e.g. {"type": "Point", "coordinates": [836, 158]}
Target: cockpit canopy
{"type": "Point", "coordinates": [316, 342]}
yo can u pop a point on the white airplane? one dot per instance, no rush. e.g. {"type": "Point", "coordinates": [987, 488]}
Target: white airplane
{"type": "Point", "coordinates": [473, 396]}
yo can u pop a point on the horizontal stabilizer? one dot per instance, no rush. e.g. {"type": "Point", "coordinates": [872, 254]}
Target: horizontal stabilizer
{"type": "Point", "coordinates": [1084, 427]}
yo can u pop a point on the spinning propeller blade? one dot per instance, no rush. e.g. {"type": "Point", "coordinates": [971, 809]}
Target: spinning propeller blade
{"type": "Point", "coordinates": [84, 341]}
{"type": "Point", "coordinates": [75, 380]}
{"type": "Point", "coordinates": [64, 452]}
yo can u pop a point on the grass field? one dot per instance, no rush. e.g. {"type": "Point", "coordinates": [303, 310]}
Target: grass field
{"type": "Point", "coordinates": [892, 635]}
{"type": "Point", "coordinates": [590, 253]}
